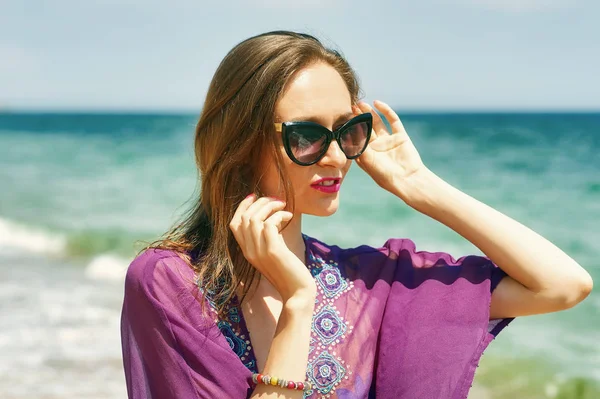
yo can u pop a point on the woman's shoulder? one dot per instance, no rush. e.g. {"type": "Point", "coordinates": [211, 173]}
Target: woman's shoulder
{"type": "Point", "coordinates": [155, 266]}
{"type": "Point", "coordinates": [391, 245]}
{"type": "Point", "coordinates": [401, 259]}
{"type": "Point", "coordinates": [394, 248]}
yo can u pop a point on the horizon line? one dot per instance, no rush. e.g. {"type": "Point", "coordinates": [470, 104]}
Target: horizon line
{"type": "Point", "coordinates": [400, 110]}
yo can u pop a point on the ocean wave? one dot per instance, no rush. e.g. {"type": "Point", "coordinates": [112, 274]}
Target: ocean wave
{"type": "Point", "coordinates": [107, 267]}
{"type": "Point", "coordinates": [104, 264]}
{"type": "Point", "coordinates": [16, 236]}
{"type": "Point", "coordinates": [106, 245]}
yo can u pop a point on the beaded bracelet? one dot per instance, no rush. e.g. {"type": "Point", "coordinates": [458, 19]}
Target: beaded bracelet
{"type": "Point", "coordinates": [280, 382]}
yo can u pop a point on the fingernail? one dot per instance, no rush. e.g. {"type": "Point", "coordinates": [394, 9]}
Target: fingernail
{"type": "Point", "coordinates": [249, 195]}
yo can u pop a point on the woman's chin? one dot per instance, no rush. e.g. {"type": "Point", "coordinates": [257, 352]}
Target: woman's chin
{"type": "Point", "coordinates": [326, 210]}
{"type": "Point", "coordinates": [326, 213]}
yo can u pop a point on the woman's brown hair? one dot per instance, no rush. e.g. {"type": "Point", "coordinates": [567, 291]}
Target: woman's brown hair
{"type": "Point", "coordinates": [235, 127]}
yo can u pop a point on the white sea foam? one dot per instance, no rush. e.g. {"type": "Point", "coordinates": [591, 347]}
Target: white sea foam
{"type": "Point", "coordinates": [15, 236]}
{"type": "Point", "coordinates": [62, 325]}
{"type": "Point", "coordinates": [107, 267]}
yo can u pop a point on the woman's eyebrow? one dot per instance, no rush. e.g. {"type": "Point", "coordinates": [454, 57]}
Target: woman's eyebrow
{"type": "Point", "coordinates": [340, 119]}
{"type": "Point", "coordinates": [344, 118]}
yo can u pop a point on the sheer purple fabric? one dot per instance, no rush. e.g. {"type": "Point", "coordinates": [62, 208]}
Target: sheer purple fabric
{"type": "Point", "coordinates": [389, 322]}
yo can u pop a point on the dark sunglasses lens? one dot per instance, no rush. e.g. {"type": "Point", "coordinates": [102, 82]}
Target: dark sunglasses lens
{"type": "Point", "coordinates": [354, 139]}
{"type": "Point", "coordinates": [307, 143]}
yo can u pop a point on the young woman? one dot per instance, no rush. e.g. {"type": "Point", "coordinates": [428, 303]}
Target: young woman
{"type": "Point", "coordinates": [236, 302]}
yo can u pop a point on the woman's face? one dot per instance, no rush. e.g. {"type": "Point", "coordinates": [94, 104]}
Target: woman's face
{"type": "Point", "coordinates": [318, 94]}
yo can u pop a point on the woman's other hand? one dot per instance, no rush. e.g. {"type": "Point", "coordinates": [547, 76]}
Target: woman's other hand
{"type": "Point", "coordinates": [390, 159]}
{"type": "Point", "coordinates": [256, 226]}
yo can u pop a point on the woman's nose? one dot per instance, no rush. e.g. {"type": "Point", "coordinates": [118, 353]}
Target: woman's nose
{"type": "Point", "coordinates": [334, 155]}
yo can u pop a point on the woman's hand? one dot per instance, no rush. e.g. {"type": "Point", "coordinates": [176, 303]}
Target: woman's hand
{"type": "Point", "coordinates": [256, 226]}
{"type": "Point", "coordinates": [390, 159]}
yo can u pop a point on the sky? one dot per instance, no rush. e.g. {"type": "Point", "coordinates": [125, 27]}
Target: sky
{"type": "Point", "coordinates": [415, 55]}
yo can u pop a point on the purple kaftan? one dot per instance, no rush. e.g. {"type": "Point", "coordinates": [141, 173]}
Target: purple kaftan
{"type": "Point", "coordinates": [389, 322]}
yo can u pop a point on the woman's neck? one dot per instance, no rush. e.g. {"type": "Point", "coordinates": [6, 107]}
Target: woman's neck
{"type": "Point", "coordinates": [292, 235]}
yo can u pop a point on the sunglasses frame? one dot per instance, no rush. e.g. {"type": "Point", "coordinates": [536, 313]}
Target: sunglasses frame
{"type": "Point", "coordinates": [329, 136]}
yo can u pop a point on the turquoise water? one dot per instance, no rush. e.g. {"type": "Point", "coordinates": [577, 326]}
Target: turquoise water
{"type": "Point", "coordinates": [78, 190]}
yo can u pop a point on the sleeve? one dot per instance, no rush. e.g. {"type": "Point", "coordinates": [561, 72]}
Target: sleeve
{"type": "Point", "coordinates": [436, 322]}
{"type": "Point", "coordinates": [473, 276]}
{"type": "Point", "coordinates": [171, 349]}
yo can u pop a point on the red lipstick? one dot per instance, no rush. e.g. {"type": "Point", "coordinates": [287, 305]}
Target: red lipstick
{"type": "Point", "coordinates": [329, 185]}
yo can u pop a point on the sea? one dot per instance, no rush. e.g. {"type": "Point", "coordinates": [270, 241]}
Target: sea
{"type": "Point", "coordinates": [80, 193]}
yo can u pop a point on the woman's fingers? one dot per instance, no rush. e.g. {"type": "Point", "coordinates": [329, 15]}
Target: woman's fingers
{"type": "Point", "coordinates": [242, 207]}
{"type": "Point", "coordinates": [379, 129]}
{"type": "Point", "coordinates": [236, 221]}
{"type": "Point", "coordinates": [378, 124]}
{"type": "Point", "coordinates": [259, 213]}
{"type": "Point", "coordinates": [273, 226]}
{"type": "Point", "coordinates": [391, 116]}
{"type": "Point", "coordinates": [252, 226]}
{"type": "Point", "coordinates": [239, 224]}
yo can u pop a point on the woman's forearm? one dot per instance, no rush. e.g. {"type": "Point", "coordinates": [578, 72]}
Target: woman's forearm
{"type": "Point", "coordinates": [288, 355]}
{"type": "Point", "coordinates": [524, 255]}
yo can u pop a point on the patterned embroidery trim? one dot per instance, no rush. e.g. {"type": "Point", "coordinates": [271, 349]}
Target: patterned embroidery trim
{"type": "Point", "coordinates": [325, 369]}
{"type": "Point", "coordinates": [231, 329]}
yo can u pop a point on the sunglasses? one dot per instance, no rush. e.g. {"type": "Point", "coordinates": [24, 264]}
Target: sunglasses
{"type": "Point", "coordinates": [307, 142]}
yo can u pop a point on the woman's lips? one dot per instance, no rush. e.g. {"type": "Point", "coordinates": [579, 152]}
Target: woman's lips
{"type": "Point", "coordinates": [334, 188]}
{"type": "Point", "coordinates": [328, 189]}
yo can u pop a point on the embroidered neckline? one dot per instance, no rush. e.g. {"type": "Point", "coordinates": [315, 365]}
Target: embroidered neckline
{"type": "Point", "coordinates": [325, 369]}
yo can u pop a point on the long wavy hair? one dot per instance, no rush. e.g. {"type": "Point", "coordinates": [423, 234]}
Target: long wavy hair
{"type": "Point", "coordinates": [234, 131]}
